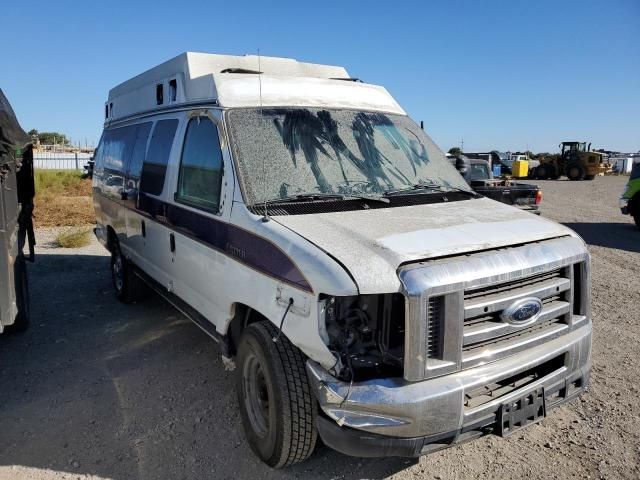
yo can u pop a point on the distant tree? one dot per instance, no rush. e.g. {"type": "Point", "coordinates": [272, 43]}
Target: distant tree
{"type": "Point", "coordinates": [50, 138]}
{"type": "Point", "coordinates": [455, 151]}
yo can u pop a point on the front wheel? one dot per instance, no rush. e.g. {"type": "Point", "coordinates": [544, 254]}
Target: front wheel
{"type": "Point", "coordinates": [275, 399]}
{"type": "Point", "coordinates": [575, 171]}
{"type": "Point", "coordinates": [542, 172]}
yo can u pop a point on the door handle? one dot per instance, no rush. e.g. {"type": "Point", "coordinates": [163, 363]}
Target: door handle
{"type": "Point", "coordinates": [143, 227]}
{"type": "Point", "coordinates": [172, 242]}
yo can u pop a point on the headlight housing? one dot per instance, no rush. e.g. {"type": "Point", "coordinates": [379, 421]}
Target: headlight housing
{"type": "Point", "coordinates": [365, 333]}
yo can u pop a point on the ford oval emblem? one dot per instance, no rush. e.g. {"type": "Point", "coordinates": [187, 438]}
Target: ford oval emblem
{"type": "Point", "coordinates": [523, 311]}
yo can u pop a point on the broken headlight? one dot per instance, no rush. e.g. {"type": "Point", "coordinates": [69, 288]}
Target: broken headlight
{"type": "Point", "coordinates": [366, 334]}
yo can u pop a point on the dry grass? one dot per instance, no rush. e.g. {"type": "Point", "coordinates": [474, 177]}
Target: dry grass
{"type": "Point", "coordinates": [63, 198]}
{"type": "Point", "coordinates": [73, 238]}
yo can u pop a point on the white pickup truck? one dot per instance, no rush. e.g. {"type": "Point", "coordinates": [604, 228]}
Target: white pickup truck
{"type": "Point", "coordinates": [361, 289]}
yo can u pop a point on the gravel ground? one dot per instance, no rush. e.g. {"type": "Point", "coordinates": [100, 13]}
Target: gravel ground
{"type": "Point", "coordinates": [96, 389]}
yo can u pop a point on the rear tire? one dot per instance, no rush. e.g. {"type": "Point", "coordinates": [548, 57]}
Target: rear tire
{"type": "Point", "coordinates": [128, 286]}
{"type": "Point", "coordinates": [21, 281]}
{"type": "Point", "coordinates": [575, 171]}
{"type": "Point", "coordinates": [274, 396]}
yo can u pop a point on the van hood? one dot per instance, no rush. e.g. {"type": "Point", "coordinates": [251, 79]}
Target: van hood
{"type": "Point", "coordinates": [372, 244]}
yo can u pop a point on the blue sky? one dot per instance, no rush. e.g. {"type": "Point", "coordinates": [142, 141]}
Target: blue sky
{"type": "Point", "coordinates": [498, 74]}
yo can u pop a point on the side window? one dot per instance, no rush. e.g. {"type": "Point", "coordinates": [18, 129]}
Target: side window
{"type": "Point", "coordinates": [117, 148]}
{"type": "Point", "coordinates": [139, 149]}
{"type": "Point", "coordinates": [201, 165]}
{"type": "Point", "coordinates": [98, 155]}
{"type": "Point", "coordinates": [154, 166]}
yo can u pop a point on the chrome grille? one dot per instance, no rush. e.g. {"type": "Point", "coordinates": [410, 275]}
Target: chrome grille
{"type": "Point", "coordinates": [434, 327]}
{"type": "Point", "coordinates": [484, 332]}
{"type": "Point", "coordinates": [468, 293]}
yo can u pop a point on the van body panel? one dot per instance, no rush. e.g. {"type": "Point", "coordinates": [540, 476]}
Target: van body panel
{"type": "Point", "coordinates": [408, 294]}
{"type": "Point", "coordinates": [373, 244]}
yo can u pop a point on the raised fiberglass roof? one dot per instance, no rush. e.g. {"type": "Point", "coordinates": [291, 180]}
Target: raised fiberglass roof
{"type": "Point", "coordinates": [233, 81]}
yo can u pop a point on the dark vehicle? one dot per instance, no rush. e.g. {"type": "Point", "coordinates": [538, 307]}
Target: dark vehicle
{"type": "Point", "coordinates": [478, 175]}
{"type": "Point", "coordinates": [16, 227]}
{"type": "Point", "coordinates": [88, 168]}
{"type": "Point", "coordinates": [494, 157]}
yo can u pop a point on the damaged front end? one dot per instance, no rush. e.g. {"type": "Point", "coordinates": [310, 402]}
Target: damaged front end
{"type": "Point", "coordinates": [366, 335]}
{"type": "Point", "coordinates": [447, 360]}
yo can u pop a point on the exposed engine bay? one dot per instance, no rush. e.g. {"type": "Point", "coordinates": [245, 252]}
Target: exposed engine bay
{"type": "Point", "coordinates": [366, 334]}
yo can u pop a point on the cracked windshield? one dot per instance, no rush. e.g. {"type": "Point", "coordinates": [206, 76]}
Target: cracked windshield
{"type": "Point", "coordinates": [284, 153]}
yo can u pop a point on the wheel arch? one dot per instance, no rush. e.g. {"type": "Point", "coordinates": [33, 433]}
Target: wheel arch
{"type": "Point", "coordinates": [111, 237]}
{"type": "Point", "coordinates": [243, 316]}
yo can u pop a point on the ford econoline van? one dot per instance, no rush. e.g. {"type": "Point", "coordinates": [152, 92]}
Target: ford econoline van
{"type": "Point", "coordinates": [360, 289]}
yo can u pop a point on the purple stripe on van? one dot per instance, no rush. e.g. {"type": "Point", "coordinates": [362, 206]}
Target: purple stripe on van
{"type": "Point", "coordinates": [246, 247]}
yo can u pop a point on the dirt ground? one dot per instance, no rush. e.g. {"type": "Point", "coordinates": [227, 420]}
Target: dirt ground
{"type": "Point", "coordinates": [63, 198]}
{"type": "Point", "coordinates": [96, 389]}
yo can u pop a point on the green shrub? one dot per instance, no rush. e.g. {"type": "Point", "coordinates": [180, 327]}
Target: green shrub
{"type": "Point", "coordinates": [73, 238]}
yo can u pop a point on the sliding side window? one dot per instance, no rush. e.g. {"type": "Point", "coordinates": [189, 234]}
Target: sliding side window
{"type": "Point", "coordinates": [154, 167]}
{"type": "Point", "coordinates": [200, 177]}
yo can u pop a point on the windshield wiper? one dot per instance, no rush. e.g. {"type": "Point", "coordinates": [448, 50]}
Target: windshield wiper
{"type": "Point", "coordinates": [426, 188]}
{"type": "Point", "coordinates": [304, 197]}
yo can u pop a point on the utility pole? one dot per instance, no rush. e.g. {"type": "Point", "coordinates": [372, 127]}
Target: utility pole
{"type": "Point", "coordinates": [462, 145]}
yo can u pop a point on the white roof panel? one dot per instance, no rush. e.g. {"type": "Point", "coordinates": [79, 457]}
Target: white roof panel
{"type": "Point", "coordinates": [199, 77]}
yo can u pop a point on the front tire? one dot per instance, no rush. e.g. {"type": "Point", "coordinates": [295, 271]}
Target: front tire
{"type": "Point", "coordinates": [128, 286]}
{"type": "Point", "coordinates": [542, 172]}
{"type": "Point", "coordinates": [274, 396]}
{"type": "Point", "coordinates": [575, 171]}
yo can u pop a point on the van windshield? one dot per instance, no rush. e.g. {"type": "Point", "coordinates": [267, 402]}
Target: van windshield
{"type": "Point", "coordinates": [285, 152]}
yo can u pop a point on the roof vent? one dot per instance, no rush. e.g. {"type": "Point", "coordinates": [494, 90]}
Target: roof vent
{"type": "Point", "coordinates": [173, 90]}
{"type": "Point", "coordinates": [159, 94]}
{"type": "Point", "coordinates": [240, 70]}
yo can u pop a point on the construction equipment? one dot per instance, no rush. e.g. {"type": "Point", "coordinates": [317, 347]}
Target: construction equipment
{"type": "Point", "coordinates": [576, 161]}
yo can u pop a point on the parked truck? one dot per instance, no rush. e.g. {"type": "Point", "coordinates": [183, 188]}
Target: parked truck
{"type": "Point", "coordinates": [16, 227]}
{"type": "Point", "coordinates": [479, 176]}
{"type": "Point", "coordinates": [363, 292]}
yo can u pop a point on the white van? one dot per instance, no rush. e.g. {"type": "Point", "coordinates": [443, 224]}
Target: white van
{"type": "Point", "coordinates": [362, 291]}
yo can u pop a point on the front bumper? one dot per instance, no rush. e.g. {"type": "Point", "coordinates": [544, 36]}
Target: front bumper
{"type": "Point", "coordinates": [393, 417]}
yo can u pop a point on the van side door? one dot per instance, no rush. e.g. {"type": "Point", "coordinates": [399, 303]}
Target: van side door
{"type": "Point", "coordinates": [200, 215]}
{"type": "Point", "coordinates": [114, 151]}
{"type": "Point", "coordinates": [134, 221]}
{"type": "Point", "coordinates": [152, 252]}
